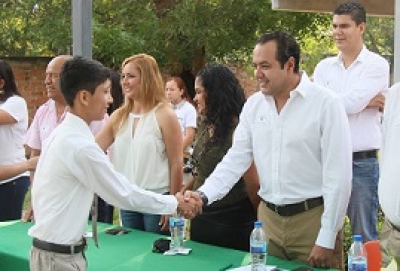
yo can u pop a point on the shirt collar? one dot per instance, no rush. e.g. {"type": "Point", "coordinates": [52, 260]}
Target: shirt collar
{"type": "Point", "coordinates": [362, 56]}
{"type": "Point", "coordinates": [52, 107]}
{"type": "Point", "coordinates": [303, 88]}
{"type": "Point", "coordinates": [78, 124]}
{"type": "Point", "coordinates": [179, 105]}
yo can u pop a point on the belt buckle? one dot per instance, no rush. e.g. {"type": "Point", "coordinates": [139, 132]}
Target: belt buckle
{"type": "Point", "coordinates": [306, 205]}
{"type": "Point", "coordinates": [72, 247]}
{"type": "Point", "coordinates": [277, 208]}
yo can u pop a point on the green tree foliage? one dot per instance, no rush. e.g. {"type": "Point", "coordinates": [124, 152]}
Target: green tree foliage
{"type": "Point", "coordinates": [180, 34]}
{"type": "Point", "coordinates": [379, 36]}
{"type": "Point", "coordinates": [30, 29]}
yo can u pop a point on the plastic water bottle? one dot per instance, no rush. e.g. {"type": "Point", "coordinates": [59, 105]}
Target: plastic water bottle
{"type": "Point", "coordinates": [258, 247]}
{"type": "Point", "coordinates": [176, 227]}
{"type": "Point", "coordinates": [357, 255]}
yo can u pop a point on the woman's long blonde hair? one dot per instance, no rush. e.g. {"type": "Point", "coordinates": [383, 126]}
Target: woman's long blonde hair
{"type": "Point", "coordinates": [151, 90]}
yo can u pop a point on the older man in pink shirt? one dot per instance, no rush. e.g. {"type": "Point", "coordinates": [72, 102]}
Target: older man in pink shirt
{"type": "Point", "coordinates": [51, 113]}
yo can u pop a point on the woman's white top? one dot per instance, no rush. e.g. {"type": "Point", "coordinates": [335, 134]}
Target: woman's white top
{"type": "Point", "coordinates": [186, 114]}
{"type": "Point", "coordinates": [140, 153]}
{"type": "Point", "coordinates": [12, 135]}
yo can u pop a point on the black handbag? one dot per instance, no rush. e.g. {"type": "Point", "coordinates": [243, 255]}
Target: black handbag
{"type": "Point", "coordinates": [161, 245]}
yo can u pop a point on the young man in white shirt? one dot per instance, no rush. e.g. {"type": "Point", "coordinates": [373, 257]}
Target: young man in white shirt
{"type": "Point", "coordinates": [359, 77]}
{"type": "Point", "coordinates": [389, 192]}
{"type": "Point", "coordinates": [298, 135]}
{"type": "Point", "coordinates": [72, 167]}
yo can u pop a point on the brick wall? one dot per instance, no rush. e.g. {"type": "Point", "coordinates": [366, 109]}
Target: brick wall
{"type": "Point", "coordinates": [247, 81]}
{"type": "Point", "coordinates": [29, 74]}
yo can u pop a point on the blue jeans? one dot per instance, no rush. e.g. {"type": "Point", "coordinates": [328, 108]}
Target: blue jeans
{"type": "Point", "coordinates": [12, 195]}
{"type": "Point", "coordinates": [141, 221]}
{"type": "Point", "coordinates": [363, 206]}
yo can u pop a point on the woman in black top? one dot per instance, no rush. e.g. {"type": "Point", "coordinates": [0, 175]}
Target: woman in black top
{"type": "Point", "coordinates": [229, 221]}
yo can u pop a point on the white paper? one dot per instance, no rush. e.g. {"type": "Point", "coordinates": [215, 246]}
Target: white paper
{"type": "Point", "coordinates": [248, 268]}
{"type": "Point", "coordinates": [181, 251]}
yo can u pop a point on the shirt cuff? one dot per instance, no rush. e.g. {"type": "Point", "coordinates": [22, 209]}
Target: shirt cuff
{"type": "Point", "coordinates": [326, 239]}
{"type": "Point", "coordinates": [171, 203]}
{"type": "Point", "coordinates": [208, 193]}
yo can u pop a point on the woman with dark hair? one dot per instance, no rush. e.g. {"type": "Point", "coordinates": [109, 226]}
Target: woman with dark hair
{"type": "Point", "coordinates": [229, 221]}
{"type": "Point", "coordinates": [13, 127]}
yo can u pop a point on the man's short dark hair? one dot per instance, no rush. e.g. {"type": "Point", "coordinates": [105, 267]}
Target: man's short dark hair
{"type": "Point", "coordinates": [286, 47]}
{"type": "Point", "coordinates": [80, 73]}
{"type": "Point", "coordinates": [354, 9]}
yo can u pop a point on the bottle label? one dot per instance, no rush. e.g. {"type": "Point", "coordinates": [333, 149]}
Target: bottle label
{"type": "Point", "coordinates": [358, 267]}
{"type": "Point", "coordinates": [176, 222]}
{"type": "Point", "coordinates": [259, 249]}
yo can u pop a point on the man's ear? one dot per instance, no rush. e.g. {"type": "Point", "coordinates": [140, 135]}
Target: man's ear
{"type": "Point", "coordinates": [362, 27]}
{"type": "Point", "coordinates": [291, 63]}
{"type": "Point", "coordinates": [2, 83]}
{"type": "Point", "coordinates": [84, 97]}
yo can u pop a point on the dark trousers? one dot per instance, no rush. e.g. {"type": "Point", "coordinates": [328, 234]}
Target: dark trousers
{"type": "Point", "coordinates": [105, 211]}
{"type": "Point", "coordinates": [228, 226]}
{"type": "Point", "coordinates": [12, 196]}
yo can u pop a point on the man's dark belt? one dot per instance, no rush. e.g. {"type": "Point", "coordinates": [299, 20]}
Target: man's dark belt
{"type": "Point", "coordinates": [295, 208]}
{"type": "Point", "coordinates": [65, 249]}
{"type": "Point", "coordinates": [364, 154]}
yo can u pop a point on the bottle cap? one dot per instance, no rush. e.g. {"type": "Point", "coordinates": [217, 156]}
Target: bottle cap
{"type": "Point", "coordinates": [257, 224]}
{"type": "Point", "coordinates": [357, 238]}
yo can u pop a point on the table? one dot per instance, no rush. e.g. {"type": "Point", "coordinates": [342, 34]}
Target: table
{"type": "Point", "coordinates": [131, 252]}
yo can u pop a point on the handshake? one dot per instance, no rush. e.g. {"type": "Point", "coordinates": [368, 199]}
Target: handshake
{"type": "Point", "coordinates": [190, 203]}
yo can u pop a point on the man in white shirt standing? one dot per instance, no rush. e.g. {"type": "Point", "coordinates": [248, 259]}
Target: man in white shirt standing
{"type": "Point", "coordinates": [359, 77]}
{"type": "Point", "coordinates": [297, 133]}
{"type": "Point", "coordinates": [389, 192]}
{"type": "Point", "coordinates": [72, 167]}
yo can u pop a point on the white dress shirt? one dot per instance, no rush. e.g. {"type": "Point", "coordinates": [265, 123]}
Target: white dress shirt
{"type": "Point", "coordinates": [303, 152]}
{"type": "Point", "coordinates": [367, 76]}
{"type": "Point", "coordinates": [389, 182]}
{"type": "Point", "coordinates": [71, 168]}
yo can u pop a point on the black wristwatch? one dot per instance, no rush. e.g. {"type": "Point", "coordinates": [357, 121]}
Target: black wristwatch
{"type": "Point", "coordinates": [203, 197]}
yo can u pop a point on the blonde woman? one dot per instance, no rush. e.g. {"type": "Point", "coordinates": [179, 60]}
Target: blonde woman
{"type": "Point", "coordinates": [146, 138]}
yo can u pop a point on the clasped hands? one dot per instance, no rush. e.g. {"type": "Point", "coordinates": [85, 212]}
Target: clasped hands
{"type": "Point", "coordinates": [189, 204]}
